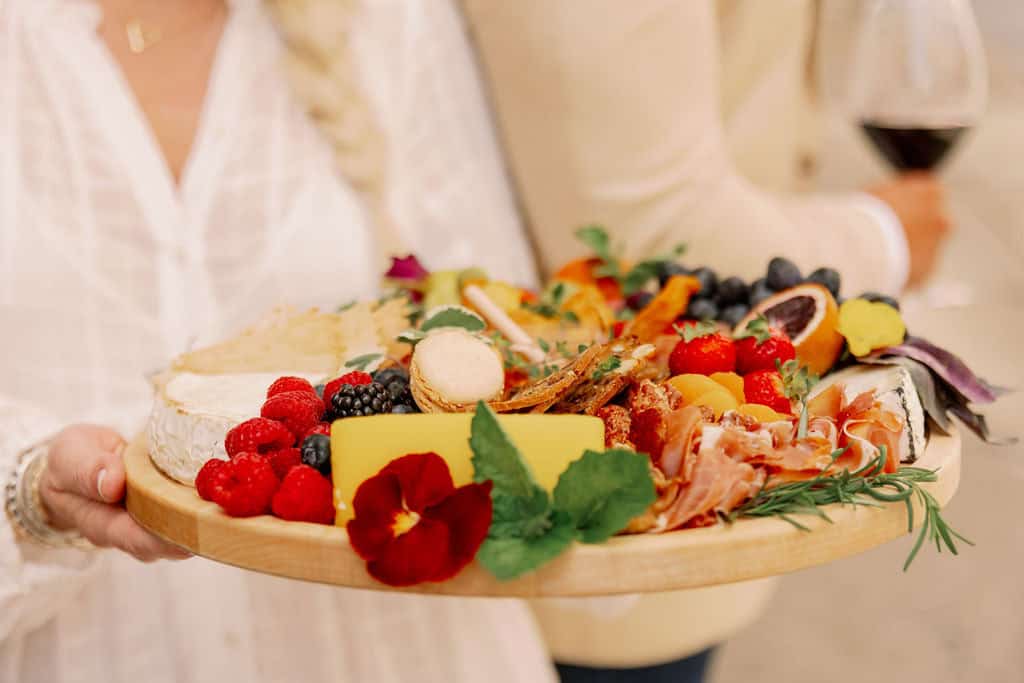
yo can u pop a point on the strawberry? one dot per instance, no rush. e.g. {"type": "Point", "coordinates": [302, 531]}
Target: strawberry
{"type": "Point", "coordinates": [759, 346]}
{"type": "Point", "coordinates": [703, 351]}
{"type": "Point", "coordinates": [766, 388]}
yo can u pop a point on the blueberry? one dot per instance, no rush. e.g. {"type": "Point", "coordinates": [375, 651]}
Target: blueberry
{"type": "Point", "coordinates": [782, 274]}
{"type": "Point", "coordinates": [638, 300]}
{"type": "Point", "coordinates": [403, 409]}
{"type": "Point", "coordinates": [827, 277]}
{"type": "Point", "coordinates": [316, 452]}
{"type": "Point", "coordinates": [669, 268]}
{"type": "Point", "coordinates": [732, 315]}
{"type": "Point", "coordinates": [732, 290]}
{"type": "Point", "coordinates": [319, 389]}
{"type": "Point", "coordinates": [880, 298]}
{"type": "Point", "coordinates": [702, 309]}
{"type": "Point", "coordinates": [708, 282]}
{"type": "Point", "coordinates": [759, 291]}
{"type": "Point", "coordinates": [386, 375]}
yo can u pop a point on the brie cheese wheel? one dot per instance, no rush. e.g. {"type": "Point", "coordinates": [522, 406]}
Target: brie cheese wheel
{"type": "Point", "coordinates": [895, 390]}
{"type": "Point", "coordinates": [192, 413]}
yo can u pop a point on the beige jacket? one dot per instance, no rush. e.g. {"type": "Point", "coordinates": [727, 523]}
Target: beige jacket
{"type": "Point", "coordinates": [625, 113]}
{"type": "Point", "coordinates": [611, 112]}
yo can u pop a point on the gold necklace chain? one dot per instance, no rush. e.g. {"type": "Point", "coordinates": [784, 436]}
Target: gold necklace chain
{"type": "Point", "coordinates": [144, 35]}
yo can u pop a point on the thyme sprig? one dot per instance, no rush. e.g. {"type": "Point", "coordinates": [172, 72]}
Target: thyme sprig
{"type": "Point", "coordinates": [869, 486]}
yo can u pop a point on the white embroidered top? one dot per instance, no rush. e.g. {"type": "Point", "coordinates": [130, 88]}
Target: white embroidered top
{"type": "Point", "coordinates": [108, 269]}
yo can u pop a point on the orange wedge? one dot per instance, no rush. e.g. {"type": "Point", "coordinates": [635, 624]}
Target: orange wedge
{"type": "Point", "coordinates": [809, 315]}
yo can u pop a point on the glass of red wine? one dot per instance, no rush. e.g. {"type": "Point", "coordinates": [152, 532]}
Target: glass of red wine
{"type": "Point", "coordinates": [918, 78]}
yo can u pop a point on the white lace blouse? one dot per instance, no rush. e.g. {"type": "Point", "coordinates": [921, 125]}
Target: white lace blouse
{"type": "Point", "coordinates": [108, 269]}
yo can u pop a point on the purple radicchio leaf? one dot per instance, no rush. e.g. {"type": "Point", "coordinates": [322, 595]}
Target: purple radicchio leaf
{"type": "Point", "coordinates": [947, 366]}
{"type": "Point", "coordinates": [406, 268]}
{"type": "Point", "coordinates": [925, 383]}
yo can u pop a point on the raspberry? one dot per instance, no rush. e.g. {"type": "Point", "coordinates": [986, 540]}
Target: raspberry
{"type": "Point", "coordinates": [245, 486]}
{"type": "Point", "coordinates": [258, 435]}
{"type": "Point", "coordinates": [320, 428]}
{"type": "Point", "coordinates": [355, 378]}
{"type": "Point", "coordinates": [284, 384]}
{"type": "Point", "coordinates": [283, 460]}
{"type": "Point", "coordinates": [305, 496]}
{"type": "Point", "coordinates": [298, 410]}
{"type": "Point", "coordinates": [207, 476]}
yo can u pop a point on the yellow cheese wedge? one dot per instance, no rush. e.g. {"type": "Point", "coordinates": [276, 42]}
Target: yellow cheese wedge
{"type": "Point", "coordinates": [362, 446]}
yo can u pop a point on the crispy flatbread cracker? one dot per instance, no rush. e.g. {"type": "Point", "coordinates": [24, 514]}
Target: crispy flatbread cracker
{"type": "Point", "coordinates": [590, 395]}
{"type": "Point", "coordinates": [548, 390]}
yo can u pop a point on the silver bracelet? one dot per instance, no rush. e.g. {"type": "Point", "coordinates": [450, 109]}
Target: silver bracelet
{"type": "Point", "coordinates": [24, 507]}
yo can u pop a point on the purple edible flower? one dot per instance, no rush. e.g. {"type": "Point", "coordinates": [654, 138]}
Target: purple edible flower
{"type": "Point", "coordinates": [407, 268]}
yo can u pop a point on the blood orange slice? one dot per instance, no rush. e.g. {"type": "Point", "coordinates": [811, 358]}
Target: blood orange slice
{"type": "Point", "coordinates": [809, 315]}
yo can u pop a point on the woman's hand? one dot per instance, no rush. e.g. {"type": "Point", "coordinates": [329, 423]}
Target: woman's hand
{"type": "Point", "coordinates": [82, 487]}
{"type": "Point", "coordinates": [917, 200]}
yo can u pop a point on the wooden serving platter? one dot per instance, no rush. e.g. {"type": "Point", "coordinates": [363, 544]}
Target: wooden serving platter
{"type": "Point", "coordinates": [749, 549]}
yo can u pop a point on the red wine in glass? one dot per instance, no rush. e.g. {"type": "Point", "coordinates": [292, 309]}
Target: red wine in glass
{"type": "Point", "coordinates": [912, 148]}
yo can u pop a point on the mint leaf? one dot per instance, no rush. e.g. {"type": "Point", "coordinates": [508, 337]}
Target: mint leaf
{"type": "Point", "coordinates": [609, 364]}
{"type": "Point", "coordinates": [453, 316]}
{"type": "Point", "coordinates": [520, 517]}
{"type": "Point", "coordinates": [363, 362]}
{"type": "Point", "coordinates": [508, 558]}
{"type": "Point", "coordinates": [596, 239]}
{"type": "Point", "coordinates": [601, 492]}
{"type": "Point", "coordinates": [497, 459]}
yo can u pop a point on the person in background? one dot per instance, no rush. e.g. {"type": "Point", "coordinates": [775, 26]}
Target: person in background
{"type": "Point", "coordinates": [672, 122]}
{"type": "Point", "coordinates": [162, 185]}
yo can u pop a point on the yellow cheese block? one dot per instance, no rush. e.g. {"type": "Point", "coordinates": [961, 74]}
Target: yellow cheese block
{"type": "Point", "coordinates": [362, 446]}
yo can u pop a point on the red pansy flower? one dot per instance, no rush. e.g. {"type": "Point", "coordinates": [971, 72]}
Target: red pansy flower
{"type": "Point", "coordinates": [412, 525]}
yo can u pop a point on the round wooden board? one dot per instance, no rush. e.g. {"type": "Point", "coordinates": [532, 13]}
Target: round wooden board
{"type": "Point", "coordinates": [748, 549]}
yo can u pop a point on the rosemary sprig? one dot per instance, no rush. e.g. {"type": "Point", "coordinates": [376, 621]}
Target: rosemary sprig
{"type": "Point", "coordinates": [869, 486]}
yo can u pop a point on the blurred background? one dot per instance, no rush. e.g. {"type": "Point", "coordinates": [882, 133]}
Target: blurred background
{"type": "Point", "coordinates": [947, 619]}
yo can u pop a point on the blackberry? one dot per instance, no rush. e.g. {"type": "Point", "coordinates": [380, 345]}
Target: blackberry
{"type": "Point", "coordinates": [361, 399]}
{"type": "Point", "coordinates": [316, 452]}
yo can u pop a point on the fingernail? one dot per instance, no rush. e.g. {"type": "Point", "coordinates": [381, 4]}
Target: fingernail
{"type": "Point", "coordinates": [99, 485]}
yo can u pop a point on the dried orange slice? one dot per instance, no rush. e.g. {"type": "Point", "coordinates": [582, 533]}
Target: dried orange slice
{"type": "Point", "coordinates": [809, 315]}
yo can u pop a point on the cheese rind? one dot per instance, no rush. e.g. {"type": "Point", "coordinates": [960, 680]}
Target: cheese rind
{"type": "Point", "coordinates": [895, 389]}
{"type": "Point", "coordinates": [362, 446]}
{"type": "Point", "coordinates": [192, 413]}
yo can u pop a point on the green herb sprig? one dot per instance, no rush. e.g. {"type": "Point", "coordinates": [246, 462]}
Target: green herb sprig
{"type": "Point", "coordinates": [637, 277]}
{"type": "Point", "coordinates": [869, 486]}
